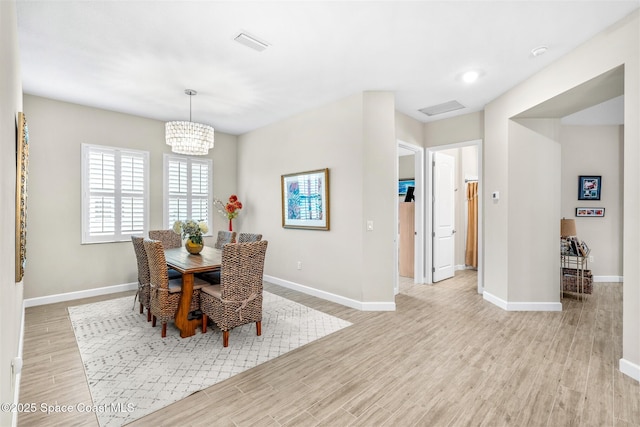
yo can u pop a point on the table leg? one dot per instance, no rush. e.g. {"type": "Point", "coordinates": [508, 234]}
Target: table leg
{"type": "Point", "coordinates": [187, 327]}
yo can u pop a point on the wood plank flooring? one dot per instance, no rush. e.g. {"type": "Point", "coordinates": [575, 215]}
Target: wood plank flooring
{"type": "Point", "coordinates": [445, 357]}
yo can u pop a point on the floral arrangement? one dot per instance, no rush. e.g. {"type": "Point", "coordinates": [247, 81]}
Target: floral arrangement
{"type": "Point", "coordinates": [191, 229]}
{"type": "Point", "coordinates": [231, 208]}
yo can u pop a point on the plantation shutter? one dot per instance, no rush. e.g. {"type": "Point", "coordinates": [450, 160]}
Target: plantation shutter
{"type": "Point", "coordinates": [114, 194]}
{"type": "Point", "coordinates": [199, 190]}
{"type": "Point", "coordinates": [188, 191]}
{"type": "Point", "coordinates": [177, 181]}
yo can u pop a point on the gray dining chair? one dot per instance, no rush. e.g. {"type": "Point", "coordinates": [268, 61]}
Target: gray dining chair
{"type": "Point", "coordinates": [225, 237]}
{"type": "Point", "coordinates": [249, 237]}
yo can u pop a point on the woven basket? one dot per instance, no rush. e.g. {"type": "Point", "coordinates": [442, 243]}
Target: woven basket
{"type": "Point", "coordinates": [570, 281]}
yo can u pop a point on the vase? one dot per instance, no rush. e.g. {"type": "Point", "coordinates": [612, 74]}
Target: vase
{"type": "Point", "coordinates": [230, 224]}
{"type": "Point", "coordinates": [193, 248]}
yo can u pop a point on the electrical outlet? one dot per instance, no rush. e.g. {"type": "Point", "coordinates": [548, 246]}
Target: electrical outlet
{"type": "Point", "coordinates": [299, 265]}
{"type": "Point", "coordinates": [590, 258]}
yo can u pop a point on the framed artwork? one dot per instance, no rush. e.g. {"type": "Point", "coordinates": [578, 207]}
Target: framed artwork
{"type": "Point", "coordinates": [589, 187]}
{"type": "Point", "coordinates": [589, 211]}
{"type": "Point", "coordinates": [404, 184]}
{"type": "Point", "coordinates": [305, 200]}
{"type": "Point", "coordinates": [22, 166]}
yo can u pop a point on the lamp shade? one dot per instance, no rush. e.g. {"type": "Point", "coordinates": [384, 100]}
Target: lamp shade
{"type": "Point", "coordinates": [189, 138]}
{"type": "Point", "coordinates": [568, 227]}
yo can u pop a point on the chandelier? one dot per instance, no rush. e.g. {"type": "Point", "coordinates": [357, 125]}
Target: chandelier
{"type": "Point", "coordinates": [188, 137]}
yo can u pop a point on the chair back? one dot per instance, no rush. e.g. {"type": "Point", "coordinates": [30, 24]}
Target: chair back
{"type": "Point", "coordinates": [242, 270]}
{"type": "Point", "coordinates": [225, 237]}
{"type": "Point", "coordinates": [141, 258]}
{"type": "Point", "coordinates": [249, 237]}
{"type": "Point", "coordinates": [169, 238]}
{"type": "Point", "coordinates": [159, 278]}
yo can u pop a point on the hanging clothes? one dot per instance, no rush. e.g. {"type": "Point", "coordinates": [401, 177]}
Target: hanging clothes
{"type": "Point", "coordinates": [471, 253]}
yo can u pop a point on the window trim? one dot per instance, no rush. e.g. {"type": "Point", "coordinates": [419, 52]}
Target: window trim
{"type": "Point", "coordinates": [118, 236]}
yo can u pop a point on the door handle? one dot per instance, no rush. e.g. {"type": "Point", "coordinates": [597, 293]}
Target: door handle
{"type": "Point", "coordinates": [453, 231]}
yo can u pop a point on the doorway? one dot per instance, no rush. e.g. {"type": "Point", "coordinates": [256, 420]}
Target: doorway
{"type": "Point", "coordinates": [469, 169]}
{"type": "Point", "coordinates": [410, 166]}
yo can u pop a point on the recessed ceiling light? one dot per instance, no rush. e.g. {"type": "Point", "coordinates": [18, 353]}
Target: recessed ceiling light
{"type": "Point", "coordinates": [251, 41]}
{"type": "Point", "coordinates": [470, 76]}
{"type": "Point", "coordinates": [537, 51]}
{"type": "Point", "coordinates": [445, 107]}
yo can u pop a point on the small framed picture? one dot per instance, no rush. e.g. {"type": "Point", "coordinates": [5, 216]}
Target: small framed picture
{"type": "Point", "coordinates": [404, 184]}
{"type": "Point", "coordinates": [589, 187]}
{"type": "Point", "coordinates": [589, 211]}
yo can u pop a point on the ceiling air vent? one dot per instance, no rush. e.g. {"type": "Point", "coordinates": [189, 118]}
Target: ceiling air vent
{"type": "Point", "coordinates": [441, 108]}
{"type": "Point", "coordinates": [251, 41]}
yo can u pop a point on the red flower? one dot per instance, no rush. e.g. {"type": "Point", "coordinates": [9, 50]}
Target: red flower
{"type": "Point", "coordinates": [233, 198]}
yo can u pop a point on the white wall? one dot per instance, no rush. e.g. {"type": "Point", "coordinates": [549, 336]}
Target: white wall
{"type": "Point", "coordinates": [57, 262]}
{"type": "Point", "coordinates": [596, 150]}
{"type": "Point", "coordinates": [467, 127]}
{"type": "Point", "coordinates": [504, 170]}
{"type": "Point", "coordinates": [534, 173]}
{"type": "Point", "coordinates": [11, 300]}
{"type": "Point", "coordinates": [355, 139]}
{"type": "Point", "coordinates": [407, 167]}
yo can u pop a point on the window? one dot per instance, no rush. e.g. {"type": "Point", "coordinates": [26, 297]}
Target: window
{"type": "Point", "coordinates": [187, 189]}
{"type": "Point", "coordinates": [115, 193]}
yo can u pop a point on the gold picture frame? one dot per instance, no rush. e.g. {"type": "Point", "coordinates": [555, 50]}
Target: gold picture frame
{"type": "Point", "coordinates": [305, 200]}
{"type": "Point", "coordinates": [22, 168]}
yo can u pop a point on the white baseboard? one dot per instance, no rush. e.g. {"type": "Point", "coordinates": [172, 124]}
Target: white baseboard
{"type": "Point", "coordinates": [70, 296]}
{"type": "Point", "coordinates": [521, 306]}
{"type": "Point", "coordinates": [614, 279]}
{"type": "Point", "coordinates": [359, 305]}
{"type": "Point", "coordinates": [16, 392]}
{"type": "Point", "coordinates": [630, 369]}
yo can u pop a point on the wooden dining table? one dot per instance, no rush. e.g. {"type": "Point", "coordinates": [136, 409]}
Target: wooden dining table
{"type": "Point", "coordinates": [187, 264]}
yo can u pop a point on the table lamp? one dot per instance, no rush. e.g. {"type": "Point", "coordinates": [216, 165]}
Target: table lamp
{"type": "Point", "coordinates": [567, 227]}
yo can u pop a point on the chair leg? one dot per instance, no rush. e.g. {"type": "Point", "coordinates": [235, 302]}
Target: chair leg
{"type": "Point", "coordinates": [258, 328]}
{"type": "Point", "coordinates": [225, 338]}
{"type": "Point", "coordinates": [149, 315]}
{"type": "Point", "coordinates": [153, 323]}
{"type": "Point", "coordinates": [164, 330]}
{"type": "Point", "coordinates": [204, 323]}
{"type": "Point", "coordinates": [141, 308]}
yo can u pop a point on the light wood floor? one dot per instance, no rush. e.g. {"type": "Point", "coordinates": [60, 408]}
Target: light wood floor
{"type": "Point", "coordinates": [445, 357]}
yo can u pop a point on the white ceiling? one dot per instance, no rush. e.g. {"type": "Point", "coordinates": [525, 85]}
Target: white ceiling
{"type": "Point", "coordinates": [137, 57]}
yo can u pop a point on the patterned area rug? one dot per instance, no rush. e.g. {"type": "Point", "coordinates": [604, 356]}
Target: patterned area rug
{"type": "Point", "coordinates": [132, 371]}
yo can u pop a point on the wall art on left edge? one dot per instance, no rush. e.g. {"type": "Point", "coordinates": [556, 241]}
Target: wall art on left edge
{"type": "Point", "coordinates": [22, 167]}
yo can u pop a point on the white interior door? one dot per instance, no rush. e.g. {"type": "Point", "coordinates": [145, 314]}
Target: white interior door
{"type": "Point", "coordinates": [443, 216]}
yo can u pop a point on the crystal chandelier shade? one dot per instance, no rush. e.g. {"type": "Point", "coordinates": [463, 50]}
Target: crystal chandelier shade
{"type": "Point", "coordinates": [188, 137]}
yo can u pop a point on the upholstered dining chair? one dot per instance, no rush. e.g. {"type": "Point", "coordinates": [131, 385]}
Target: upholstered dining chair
{"type": "Point", "coordinates": [237, 300]}
{"type": "Point", "coordinates": [249, 237]}
{"type": "Point", "coordinates": [169, 239]}
{"type": "Point", "coordinates": [165, 294]}
{"type": "Point", "coordinates": [143, 275]}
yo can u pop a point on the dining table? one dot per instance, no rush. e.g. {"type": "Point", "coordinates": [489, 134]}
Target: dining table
{"type": "Point", "coordinates": [189, 264]}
